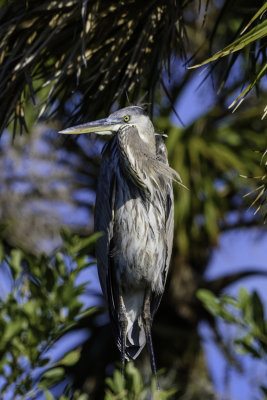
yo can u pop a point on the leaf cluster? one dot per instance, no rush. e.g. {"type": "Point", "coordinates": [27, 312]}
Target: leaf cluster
{"type": "Point", "coordinates": [132, 387]}
{"type": "Point", "coordinates": [75, 396]}
{"type": "Point", "coordinates": [247, 314]}
{"type": "Point", "coordinates": [42, 306]}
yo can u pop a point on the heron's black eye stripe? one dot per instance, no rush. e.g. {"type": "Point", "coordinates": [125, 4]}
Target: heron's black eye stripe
{"type": "Point", "coordinates": [126, 118]}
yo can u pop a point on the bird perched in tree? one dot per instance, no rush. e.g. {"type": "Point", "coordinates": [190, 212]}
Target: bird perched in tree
{"type": "Point", "coordinates": [134, 210]}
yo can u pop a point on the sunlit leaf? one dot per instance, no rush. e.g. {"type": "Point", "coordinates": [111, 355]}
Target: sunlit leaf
{"type": "Point", "coordinates": [48, 395]}
{"type": "Point", "coordinates": [258, 311]}
{"type": "Point", "coordinates": [15, 261]}
{"type": "Point", "coordinates": [70, 358]}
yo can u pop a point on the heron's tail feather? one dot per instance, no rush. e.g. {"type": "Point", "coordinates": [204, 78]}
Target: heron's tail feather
{"type": "Point", "coordinates": [135, 341]}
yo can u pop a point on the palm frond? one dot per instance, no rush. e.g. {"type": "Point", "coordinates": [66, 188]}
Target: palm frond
{"type": "Point", "coordinates": [255, 39]}
{"type": "Point", "coordinates": [257, 33]}
{"type": "Point", "coordinates": [101, 50]}
{"type": "Point", "coordinates": [249, 87]}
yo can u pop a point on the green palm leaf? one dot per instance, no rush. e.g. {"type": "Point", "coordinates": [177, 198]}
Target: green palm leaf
{"type": "Point", "coordinates": [257, 33]}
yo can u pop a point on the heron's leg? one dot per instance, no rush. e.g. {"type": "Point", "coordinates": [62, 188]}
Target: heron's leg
{"type": "Point", "coordinates": [147, 324]}
{"type": "Point", "coordinates": [123, 327]}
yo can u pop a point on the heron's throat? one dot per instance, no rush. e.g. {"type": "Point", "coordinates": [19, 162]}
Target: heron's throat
{"type": "Point", "coordinates": [142, 164]}
{"type": "Point", "coordinates": [133, 155]}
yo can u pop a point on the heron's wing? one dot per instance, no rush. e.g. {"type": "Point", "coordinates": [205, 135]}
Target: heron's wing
{"type": "Point", "coordinates": [169, 221]}
{"type": "Point", "coordinates": [103, 221]}
{"type": "Point", "coordinates": [103, 216]}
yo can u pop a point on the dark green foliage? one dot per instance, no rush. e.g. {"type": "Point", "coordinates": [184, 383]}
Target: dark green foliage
{"type": "Point", "coordinates": [99, 49]}
{"type": "Point", "coordinates": [41, 308]}
{"type": "Point", "coordinates": [253, 41]}
{"type": "Point", "coordinates": [107, 51]}
{"type": "Point", "coordinates": [255, 36]}
{"type": "Point", "coordinates": [213, 160]}
{"type": "Point", "coordinates": [132, 387]}
{"type": "Point", "coordinates": [246, 313]}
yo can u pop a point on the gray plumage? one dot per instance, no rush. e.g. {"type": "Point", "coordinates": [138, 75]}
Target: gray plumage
{"type": "Point", "coordinates": [134, 210]}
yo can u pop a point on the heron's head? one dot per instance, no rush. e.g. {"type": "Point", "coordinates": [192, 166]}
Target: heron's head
{"type": "Point", "coordinates": [133, 115]}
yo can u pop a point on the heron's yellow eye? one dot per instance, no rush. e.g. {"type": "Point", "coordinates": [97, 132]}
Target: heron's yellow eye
{"type": "Point", "coordinates": [126, 118]}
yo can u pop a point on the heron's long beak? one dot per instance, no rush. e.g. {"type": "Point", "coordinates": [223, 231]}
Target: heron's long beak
{"type": "Point", "coordinates": [105, 126]}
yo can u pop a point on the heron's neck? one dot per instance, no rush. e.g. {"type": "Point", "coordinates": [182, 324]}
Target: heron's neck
{"type": "Point", "coordinates": [133, 154]}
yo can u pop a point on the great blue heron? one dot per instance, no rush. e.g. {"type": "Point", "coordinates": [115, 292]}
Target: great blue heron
{"type": "Point", "coordinates": [134, 210]}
